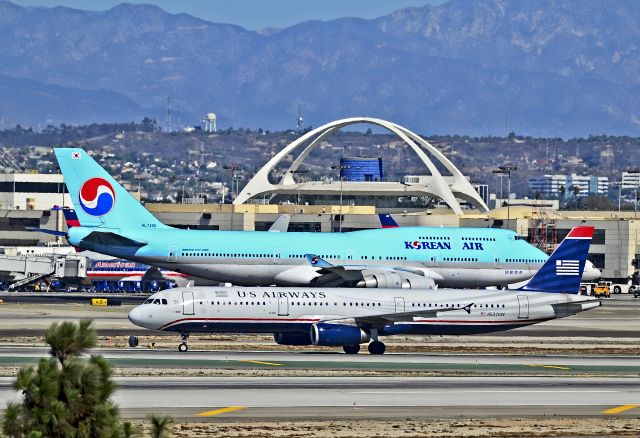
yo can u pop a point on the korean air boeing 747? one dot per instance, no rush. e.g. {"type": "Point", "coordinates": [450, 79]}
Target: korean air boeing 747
{"type": "Point", "coordinates": [112, 222]}
{"type": "Point", "coordinates": [346, 318]}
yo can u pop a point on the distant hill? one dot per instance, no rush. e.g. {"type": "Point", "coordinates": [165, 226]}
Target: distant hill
{"type": "Point", "coordinates": [34, 103]}
{"type": "Point", "coordinates": [545, 67]}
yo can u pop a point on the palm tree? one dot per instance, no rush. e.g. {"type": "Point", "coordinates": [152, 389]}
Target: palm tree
{"type": "Point", "coordinates": [562, 191]}
{"type": "Point", "coordinates": [160, 426]}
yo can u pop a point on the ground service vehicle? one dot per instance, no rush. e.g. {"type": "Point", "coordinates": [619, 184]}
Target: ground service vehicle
{"type": "Point", "coordinates": [602, 289]}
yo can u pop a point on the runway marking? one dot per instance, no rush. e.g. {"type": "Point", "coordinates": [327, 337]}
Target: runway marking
{"type": "Point", "coordinates": [619, 409]}
{"type": "Point", "coordinates": [494, 391]}
{"type": "Point", "coordinates": [221, 411]}
{"type": "Point", "coordinates": [556, 367]}
{"type": "Point", "coordinates": [259, 362]}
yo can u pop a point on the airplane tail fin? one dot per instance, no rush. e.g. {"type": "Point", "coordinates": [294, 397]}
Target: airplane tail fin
{"type": "Point", "coordinates": [71, 217]}
{"type": "Point", "coordinates": [562, 271]}
{"type": "Point", "coordinates": [99, 200]}
{"type": "Point", "coordinates": [387, 221]}
{"type": "Point", "coordinates": [317, 261]}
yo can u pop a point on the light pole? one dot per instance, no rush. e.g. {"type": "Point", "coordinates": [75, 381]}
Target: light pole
{"type": "Point", "coordinates": [506, 169]}
{"type": "Point", "coordinates": [184, 182]}
{"type": "Point", "coordinates": [341, 168]}
{"type": "Point", "coordinates": [232, 172]}
{"type": "Point", "coordinates": [636, 173]}
{"type": "Point", "coordinates": [299, 172]}
{"type": "Point", "coordinates": [619, 184]}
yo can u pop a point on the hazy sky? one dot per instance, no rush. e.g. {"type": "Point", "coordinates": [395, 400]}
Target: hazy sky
{"type": "Point", "coordinates": [254, 14]}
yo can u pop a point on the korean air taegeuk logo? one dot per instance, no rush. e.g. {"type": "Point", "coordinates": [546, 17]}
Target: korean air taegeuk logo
{"type": "Point", "coordinates": [97, 196]}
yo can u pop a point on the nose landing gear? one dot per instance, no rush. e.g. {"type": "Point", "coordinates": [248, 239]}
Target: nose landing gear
{"type": "Point", "coordinates": [183, 346]}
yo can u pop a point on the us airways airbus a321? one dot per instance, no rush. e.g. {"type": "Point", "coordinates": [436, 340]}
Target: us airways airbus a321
{"type": "Point", "coordinates": [112, 222]}
{"type": "Point", "coordinates": [347, 317]}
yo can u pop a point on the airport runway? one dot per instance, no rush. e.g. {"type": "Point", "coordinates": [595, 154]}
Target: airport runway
{"type": "Point", "coordinates": [371, 397]}
{"type": "Point", "coordinates": [468, 363]}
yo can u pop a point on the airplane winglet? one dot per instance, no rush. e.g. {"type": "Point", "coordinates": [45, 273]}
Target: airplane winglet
{"type": "Point", "coordinates": [317, 262]}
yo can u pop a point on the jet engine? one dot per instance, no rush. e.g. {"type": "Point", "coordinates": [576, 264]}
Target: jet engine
{"type": "Point", "coordinates": [335, 335]}
{"type": "Point", "coordinates": [404, 280]}
{"type": "Point", "coordinates": [295, 338]}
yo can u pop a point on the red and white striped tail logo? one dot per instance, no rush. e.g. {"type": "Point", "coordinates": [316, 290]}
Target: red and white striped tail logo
{"type": "Point", "coordinates": [567, 267]}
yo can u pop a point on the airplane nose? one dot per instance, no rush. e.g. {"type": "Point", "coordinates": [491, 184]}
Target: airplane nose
{"type": "Point", "coordinates": [136, 316]}
{"type": "Point", "coordinates": [590, 272]}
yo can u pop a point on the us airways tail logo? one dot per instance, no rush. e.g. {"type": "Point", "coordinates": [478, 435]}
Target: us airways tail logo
{"type": "Point", "coordinates": [97, 197]}
{"type": "Point", "coordinates": [568, 267]}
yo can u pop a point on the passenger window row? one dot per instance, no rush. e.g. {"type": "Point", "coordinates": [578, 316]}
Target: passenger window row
{"type": "Point", "coordinates": [351, 304]}
{"type": "Point", "coordinates": [456, 305]}
{"type": "Point", "coordinates": [525, 260]}
{"type": "Point", "coordinates": [460, 259]}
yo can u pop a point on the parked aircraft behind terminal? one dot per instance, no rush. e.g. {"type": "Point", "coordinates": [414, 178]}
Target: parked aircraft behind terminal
{"type": "Point", "coordinates": [346, 318]}
{"type": "Point", "coordinates": [114, 223]}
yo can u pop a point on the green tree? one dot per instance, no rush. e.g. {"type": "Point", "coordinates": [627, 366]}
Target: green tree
{"type": "Point", "coordinates": [66, 395]}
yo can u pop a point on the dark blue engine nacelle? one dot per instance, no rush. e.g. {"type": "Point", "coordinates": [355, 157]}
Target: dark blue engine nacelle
{"type": "Point", "coordinates": [336, 335]}
{"type": "Point", "coordinates": [294, 338]}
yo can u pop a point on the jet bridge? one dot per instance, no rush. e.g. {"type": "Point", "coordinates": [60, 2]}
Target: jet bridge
{"type": "Point", "coordinates": [25, 269]}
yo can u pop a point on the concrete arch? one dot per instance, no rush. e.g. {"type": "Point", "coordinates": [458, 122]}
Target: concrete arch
{"type": "Point", "coordinates": [448, 191]}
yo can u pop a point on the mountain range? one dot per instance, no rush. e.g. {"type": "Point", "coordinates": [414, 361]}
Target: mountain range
{"type": "Point", "coordinates": [555, 68]}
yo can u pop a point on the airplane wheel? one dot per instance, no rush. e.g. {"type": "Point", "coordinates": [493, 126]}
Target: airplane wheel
{"type": "Point", "coordinates": [351, 349]}
{"type": "Point", "coordinates": [183, 347]}
{"type": "Point", "coordinates": [376, 347]}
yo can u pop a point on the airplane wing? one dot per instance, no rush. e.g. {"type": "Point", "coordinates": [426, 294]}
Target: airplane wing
{"type": "Point", "coordinates": [350, 273]}
{"type": "Point", "coordinates": [326, 267]}
{"type": "Point", "coordinates": [391, 318]}
{"type": "Point", "coordinates": [281, 224]}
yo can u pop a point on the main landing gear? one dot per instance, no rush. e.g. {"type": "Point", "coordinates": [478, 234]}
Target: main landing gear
{"type": "Point", "coordinates": [351, 349]}
{"type": "Point", "coordinates": [183, 346]}
{"type": "Point", "coordinates": [375, 347]}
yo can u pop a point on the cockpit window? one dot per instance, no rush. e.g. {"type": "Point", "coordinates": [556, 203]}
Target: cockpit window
{"type": "Point", "coordinates": [156, 301]}
{"type": "Point", "coordinates": [164, 301]}
{"type": "Point", "coordinates": [148, 301]}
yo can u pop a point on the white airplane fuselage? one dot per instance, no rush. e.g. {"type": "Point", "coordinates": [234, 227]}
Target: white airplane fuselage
{"type": "Point", "coordinates": [296, 310]}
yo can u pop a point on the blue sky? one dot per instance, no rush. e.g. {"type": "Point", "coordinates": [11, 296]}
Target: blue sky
{"type": "Point", "coordinates": [255, 14]}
